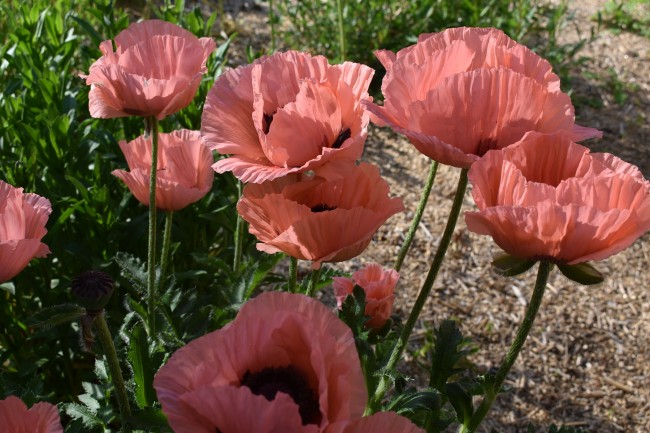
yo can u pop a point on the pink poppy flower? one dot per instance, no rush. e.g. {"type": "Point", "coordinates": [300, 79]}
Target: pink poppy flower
{"type": "Point", "coordinates": [184, 174]}
{"type": "Point", "coordinates": [549, 198]}
{"type": "Point", "coordinates": [22, 226]}
{"type": "Point", "coordinates": [318, 219]}
{"type": "Point", "coordinates": [40, 418]}
{"type": "Point", "coordinates": [378, 284]}
{"type": "Point", "coordinates": [285, 364]}
{"type": "Point", "coordinates": [464, 91]}
{"type": "Point", "coordinates": [287, 113]}
{"type": "Point", "coordinates": [380, 422]}
{"type": "Point", "coordinates": [155, 71]}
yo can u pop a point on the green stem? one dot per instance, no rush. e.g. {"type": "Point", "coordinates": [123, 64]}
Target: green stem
{"type": "Point", "coordinates": [272, 22]}
{"type": "Point", "coordinates": [313, 282]}
{"type": "Point", "coordinates": [408, 240]}
{"type": "Point", "coordinates": [396, 354]}
{"type": "Point", "coordinates": [339, 11]}
{"type": "Point", "coordinates": [105, 339]}
{"type": "Point", "coordinates": [164, 255]}
{"type": "Point", "coordinates": [543, 273]}
{"type": "Point", "coordinates": [239, 235]}
{"type": "Point", "coordinates": [293, 274]}
{"type": "Point", "coordinates": [152, 126]}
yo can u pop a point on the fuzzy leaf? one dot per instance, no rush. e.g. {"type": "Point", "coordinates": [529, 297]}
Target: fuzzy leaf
{"type": "Point", "coordinates": [582, 273]}
{"type": "Point", "coordinates": [87, 417]}
{"type": "Point", "coordinates": [447, 352]}
{"type": "Point", "coordinates": [509, 266]}
{"type": "Point", "coordinates": [57, 315]}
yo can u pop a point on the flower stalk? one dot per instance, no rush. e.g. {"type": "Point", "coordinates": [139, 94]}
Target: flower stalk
{"type": "Point", "coordinates": [313, 282]}
{"type": "Point", "coordinates": [543, 272]}
{"type": "Point", "coordinates": [152, 129]}
{"type": "Point", "coordinates": [396, 354]}
{"type": "Point", "coordinates": [424, 198]}
{"type": "Point", "coordinates": [239, 235]}
{"type": "Point", "coordinates": [293, 274]}
{"type": "Point", "coordinates": [105, 339]}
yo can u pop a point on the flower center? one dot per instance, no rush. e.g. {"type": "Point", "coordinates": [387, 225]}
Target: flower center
{"type": "Point", "coordinates": [484, 145]}
{"type": "Point", "coordinates": [344, 135]}
{"type": "Point", "coordinates": [322, 207]}
{"type": "Point", "coordinates": [268, 118]}
{"type": "Point", "coordinates": [270, 381]}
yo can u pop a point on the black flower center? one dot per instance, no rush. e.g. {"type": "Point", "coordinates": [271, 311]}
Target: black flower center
{"type": "Point", "coordinates": [290, 381]}
{"type": "Point", "coordinates": [344, 135]}
{"type": "Point", "coordinates": [266, 125]}
{"type": "Point", "coordinates": [322, 207]}
{"type": "Point", "coordinates": [484, 145]}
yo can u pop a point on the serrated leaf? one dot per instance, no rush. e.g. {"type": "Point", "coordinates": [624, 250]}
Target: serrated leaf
{"type": "Point", "coordinates": [57, 315]}
{"type": "Point", "coordinates": [143, 370]}
{"type": "Point", "coordinates": [447, 352]}
{"type": "Point", "coordinates": [87, 417]}
{"type": "Point", "coordinates": [461, 401]}
{"type": "Point", "coordinates": [510, 266]}
{"type": "Point", "coordinates": [90, 402]}
{"type": "Point", "coordinates": [428, 400]}
{"type": "Point", "coordinates": [132, 269]}
{"type": "Point", "coordinates": [582, 273]}
{"type": "Point", "coordinates": [100, 370]}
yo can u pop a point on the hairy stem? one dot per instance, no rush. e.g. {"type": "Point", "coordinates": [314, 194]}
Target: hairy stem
{"type": "Point", "coordinates": [152, 126]}
{"type": "Point", "coordinates": [293, 274]}
{"type": "Point", "coordinates": [543, 273]}
{"type": "Point", "coordinates": [424, 198]}
{"type": "Point", "coordinates": [105, 339]}
{"type": "Point", "coordinates": [239, 235]}
{"type": "Point", "coordinates": [313, 282]}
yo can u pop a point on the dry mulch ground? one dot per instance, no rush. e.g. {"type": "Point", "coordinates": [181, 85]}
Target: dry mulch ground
{"type": "Point", "coordinates": [587, 360]}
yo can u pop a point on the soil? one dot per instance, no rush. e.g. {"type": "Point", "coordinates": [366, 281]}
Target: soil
{"type": "Point", "coordinates": [587, 360]}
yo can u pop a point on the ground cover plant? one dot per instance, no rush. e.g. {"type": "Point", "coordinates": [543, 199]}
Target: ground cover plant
{"type": "Point", "coordinates": [293, 126]}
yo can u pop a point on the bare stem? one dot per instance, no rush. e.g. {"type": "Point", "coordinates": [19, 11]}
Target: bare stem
{"type": "Point", "coordinates": [293, 274]}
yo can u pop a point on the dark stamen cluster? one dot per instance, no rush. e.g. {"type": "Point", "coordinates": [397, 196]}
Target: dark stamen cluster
{"type": "Point", "coordinates": [268, 118]}
{"type": "Point", "coordinates": [322, 207]}
{"type": "Point", "coordinates": [290, 381]}
{"type": "Point", "coordinates": [484, 145]}
{"type": "Point", "coordinates": [344, 135]}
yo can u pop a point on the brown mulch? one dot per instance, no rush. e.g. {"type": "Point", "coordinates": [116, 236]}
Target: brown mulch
{"type": "Point", "coordinates": [587, 360]}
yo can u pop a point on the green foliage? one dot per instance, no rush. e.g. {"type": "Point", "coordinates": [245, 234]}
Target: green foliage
{"type": "Point", "coordinates": [369, 25]}
{"type": "Point", "coordinates": [630, 16]}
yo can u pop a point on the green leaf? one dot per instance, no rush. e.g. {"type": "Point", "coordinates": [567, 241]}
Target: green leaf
{"type": "Point", "coordinates": [411, 402]}
{"type": "Point", "coordinates": [447, 353]}
{"type": "Point", "coordinates": [143, 370]}
{"type": "Point", "coordinates": [509, 266]}
{"type": "Point", "coordinates": [57, 315]}
{"type": "Point", "coordinates": [582, 273]}
{"type": "Point", "coordinates": [87, 417]}
{"type": "Point", "coordinates": [461, 400]}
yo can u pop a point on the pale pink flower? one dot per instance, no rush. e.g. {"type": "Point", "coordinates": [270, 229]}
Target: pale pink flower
{"type": "Point", "coordinates": [22, 226]}
{"type": "Point", "coordinates": [155, 71]}
{"type": "Point", "coordinates": [378, 285]}
{"type": "Point", "coordinates": [287, 113]}
{"type": "Point", "coordinates": [285, 364]}
{"type": "Point", "coordinates": [184, 175]}
{"type": "Point", "coordinates": [318, 219]}
{"type": "Point", "coordinates": [549, 198]}
{"type": "Point", "coordinates": [40, 418]}
{"type": "Point", "coordinates": [464, 91]}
